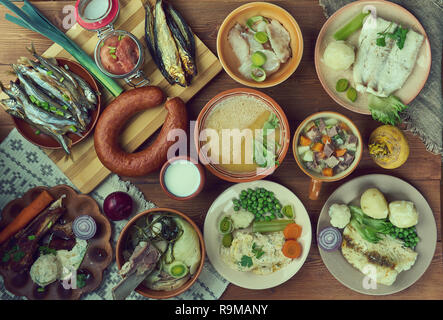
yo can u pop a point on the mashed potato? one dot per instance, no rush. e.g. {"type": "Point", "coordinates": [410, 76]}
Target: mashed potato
{"type": "Point", "coordinates": [45, 270]}
{"type": "Point", "coordinates": [338, 55]}
{"type": "Point", "coordinates": [271, 260]}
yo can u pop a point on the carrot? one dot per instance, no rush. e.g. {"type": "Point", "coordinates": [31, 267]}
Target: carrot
{"type": "Point", "coordinates": [291, 249]}
{"type": "Point", "coordinates": [344, 126]}
{"type": "Point", "coordinates": [26, 215]}
{"type": "Point", "coordinates": [317, 147]}
{"type": "Point", "coordinates": [327, 172]}
{"type": "Point", "coordinates": [304, 141]}
{"type": "Point", "coordinates": [322, 155]}
{"type": "Point", "coordinates": [325, 139]}
{"type": "Point", "coordinates": [292, 231]}
{"type": "Point", "coordinates": [340, 152]}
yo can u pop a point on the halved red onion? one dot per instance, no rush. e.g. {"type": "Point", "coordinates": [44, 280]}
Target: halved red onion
{"type": "Point", "coordinates": [329, 239]}
{"type": "Point", "coordinates": [84, 227]}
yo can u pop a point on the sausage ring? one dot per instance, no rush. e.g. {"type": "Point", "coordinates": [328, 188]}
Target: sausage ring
{"type": "Point", "coordinates": [113, 120]}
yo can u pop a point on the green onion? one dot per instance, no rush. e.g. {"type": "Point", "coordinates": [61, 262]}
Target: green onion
{"type": "Point", "coordinates": [32, 237]}
{"type": "Point", "coordinates": [37, 132]}
{"type": "Point", "coordinates": [270, 226]}
{"type": "Point", "coordinates": [31, 18]}
{"type": "Point", "coordinates": [112, 48]}
{"type": "Point", "coordinates": [65, 107]}
{"type": "Point", "coordinates": [49, 73]}
{"type": "Point", "coordinates": [60, 113]}
{"type": "Point", "coordinates": [73, 128]}
{"type": "Point", "coordinates": [62, 79]}
{"type": "Point", "coordinates": [33, 99]}
{"type": "Point", "coordinates": [261, 37]}
{"type": "Point", "coordinates": [120, 37]}
{"type": "Point", "coordinates": [51, 108]}
{"type": "Point", "coordinates": [66, 97]}
{"type": "Point", "coordinates": [113, 56]}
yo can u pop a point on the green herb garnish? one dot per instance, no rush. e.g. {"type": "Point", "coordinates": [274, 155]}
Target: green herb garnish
{"type": "Point", "coordinates": [386, 110]}
{"type": "Point", "coordinates": [399, 35]}
{"type": "Point", "coordinates": [46, 250]}
{"type": "Point", "coordinates": [81, 280]}
{"type": "Point", "coordinates": [246, 261]}
{"type": "Point", "coordinates": [17, 256]}
{"type": "Point", "coordinates": [257, 251]}
{"type": "Point", "coordinates": [40, 289]}
{"type": "Point", "coordinates": [32, 237]}
{"type": "Point", "coordinates": [49, 73]}
{"type": "Point", "coordinates": [37, 132]}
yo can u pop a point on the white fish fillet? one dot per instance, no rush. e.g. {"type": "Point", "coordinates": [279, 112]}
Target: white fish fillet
{"type": "Point", "coordinates": [388, 256]}
{"type": "Point", "coordinates": [383, 70]}
{"type": "Point", "coordinates": [280, 39]}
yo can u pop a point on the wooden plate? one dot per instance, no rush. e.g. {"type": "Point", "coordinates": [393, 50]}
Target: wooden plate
{"type": "Point", "coordinates": [394, 189]}
{"type": "Point", "coordinates": [44, 141]}
{"type": "Point", "coordinates": [97, 258]}
{"type": "Point", "coordinates": [386, 10]}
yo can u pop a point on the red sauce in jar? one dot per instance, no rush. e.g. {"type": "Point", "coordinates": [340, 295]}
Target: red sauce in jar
{"type": "Point", "coordinates": [119, 54]}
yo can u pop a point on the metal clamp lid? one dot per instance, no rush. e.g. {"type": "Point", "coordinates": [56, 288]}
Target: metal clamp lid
{"type": "Point", "coordinates": [143, 80]}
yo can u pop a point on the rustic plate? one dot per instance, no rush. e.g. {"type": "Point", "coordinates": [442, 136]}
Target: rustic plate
{"type": "Point", "coordinates": [223, 204]}
{"type": "Point", "coordinates": [44, 141]}
{"type": "Point", "coordinates": [240, 15]}
{"type": "Point", "coordinates": [387, 10]}
{"type": "Point", "coordinates": [394, 189]}
{"type": "Point", "coordinates": [141, 289]}
{"type": "Point", "coordinates": [97, 258]}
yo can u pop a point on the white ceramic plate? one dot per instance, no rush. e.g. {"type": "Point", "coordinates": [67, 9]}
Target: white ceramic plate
{"type": "Point", "coordinates": [223, 204]}
{"type": "Point", "coordinates": [394, 189]}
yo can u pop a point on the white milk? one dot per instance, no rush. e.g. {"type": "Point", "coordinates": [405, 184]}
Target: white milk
{"type": "Point", "coordinates": [182, 178]}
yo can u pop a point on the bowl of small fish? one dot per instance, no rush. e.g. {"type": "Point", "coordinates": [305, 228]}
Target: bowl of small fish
{"type": "Point", "coordinates": [54, 103]}
{"type": "Point", "coordinates": [260, 44]}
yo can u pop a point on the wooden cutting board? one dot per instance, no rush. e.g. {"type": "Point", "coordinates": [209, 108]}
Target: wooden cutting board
{"type": "Point", "coordinates": [83, 168]}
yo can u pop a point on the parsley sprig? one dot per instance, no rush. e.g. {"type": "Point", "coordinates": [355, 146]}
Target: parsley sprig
{"type": "Point", "coordinates": [257, 251]}
{"type": "Point", "coordinates": [399, 36]}
{"type": "Point", "coordinates": [246, 261]}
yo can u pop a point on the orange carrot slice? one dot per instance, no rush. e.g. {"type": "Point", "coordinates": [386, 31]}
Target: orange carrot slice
{"type": "Point", "coordinates": [327, 172]}
{"type": "Point", "coordinates": [292, 249]}
{"type": "Point", "coordinates": [340, 152]}
{"type": "Point", "coordinates": [318, 147]}
{"type": "Point", "coordinates": [292, 231]}
{"type": "Point", "coordinates": [305, 141]}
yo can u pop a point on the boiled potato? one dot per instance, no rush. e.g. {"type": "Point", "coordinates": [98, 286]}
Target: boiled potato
{"type": "Point", "coordinates": [338, 55]}
{"type": "Point", "coordinates": [403, 214]}
{"type": "Point", "coordinates": [374, 204]}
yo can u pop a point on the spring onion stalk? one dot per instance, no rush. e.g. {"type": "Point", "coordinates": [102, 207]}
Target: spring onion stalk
{"type": "Point", "coordinates": [32, 19]}
{"type": "Point", "coordinates": [270, 226]}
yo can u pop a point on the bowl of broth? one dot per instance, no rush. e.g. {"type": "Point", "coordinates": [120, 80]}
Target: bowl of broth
{"type": "Point", "coordinates": [242, 135]}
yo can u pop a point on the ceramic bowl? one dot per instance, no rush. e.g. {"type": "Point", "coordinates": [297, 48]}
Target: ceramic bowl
{"type": "Point", "coordinates": [240, 15]}
{"type": "Point", "coordinates": [201, 171]}
{"type": "Point", "coordinates": [44, 141]}
{"type": "Point", "coordinates": [141, 289]}
{"type": "Point", "coordinates": [387, 10]}
{"type": "Point", "coordinates": [242, 176]}
{"type": "Point", "coordinates": [318, 179]}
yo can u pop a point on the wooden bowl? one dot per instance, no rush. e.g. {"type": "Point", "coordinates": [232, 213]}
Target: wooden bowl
{"type": "Point", "coordinates": [230, 62]}
{"type": "Point", "coordinates": [246, 176]}
{"type": "Point", "coordinates": [328, 77]}
{"type": "Point", "coordinates": [97, 258]}
{"type": "Point", "coordinates": [317, 179]}
{"type": "Point", "coordinates": [141, 289]}
{"type": "Point", "coordinates": [47, 142]}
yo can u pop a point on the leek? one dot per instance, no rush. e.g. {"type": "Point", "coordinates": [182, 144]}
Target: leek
{"type": "Point", "coordinates": [32, 19]}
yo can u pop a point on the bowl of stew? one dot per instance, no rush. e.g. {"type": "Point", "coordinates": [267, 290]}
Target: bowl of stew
{"type": "Point", "coordinates": [327, 146]}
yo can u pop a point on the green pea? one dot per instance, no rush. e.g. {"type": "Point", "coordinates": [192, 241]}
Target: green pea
{"type": "Point", "coordinates": [236, 208]}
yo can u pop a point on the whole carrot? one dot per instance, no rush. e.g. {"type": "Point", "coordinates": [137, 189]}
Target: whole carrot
{"type": "Point", "coordinates": [26, 215]}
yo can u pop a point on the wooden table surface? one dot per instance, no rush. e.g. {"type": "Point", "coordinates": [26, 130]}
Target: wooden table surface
{"type": "Point", "coordinates": [299, 96]}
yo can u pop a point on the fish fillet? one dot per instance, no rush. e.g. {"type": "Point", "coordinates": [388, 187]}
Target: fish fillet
{"type": "Point", "coordinates": [383, 70]}
{"type": "Point", "coordinates": [279, 38]}
{"type": "Point", "coordinates": [388, 256]}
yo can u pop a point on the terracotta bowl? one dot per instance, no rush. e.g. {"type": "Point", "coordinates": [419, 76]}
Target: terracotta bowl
{"type": "Point", "coordinates": [44, 141]}
{"type": "Point", "coordinates": [386, 10]}
{"type": "Point", "coordinates": [230, 62]}
{"type": "Point", "coordinates": [318, 179]}
{"type": "Point", "coordinates": [97, 258]}
{"type": "Point", "coordinates": [141, 289]}
{"type": "Point", "coordinates": [242, 176]}
{"type": "Point", "coordinates": [200, 168]}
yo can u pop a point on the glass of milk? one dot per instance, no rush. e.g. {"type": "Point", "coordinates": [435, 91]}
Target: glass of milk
{"type": "Point", "coordinates": [182, 178]}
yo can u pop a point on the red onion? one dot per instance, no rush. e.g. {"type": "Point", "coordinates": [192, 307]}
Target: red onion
{"type": "Point", "coordinates": [84, 227]}
{"type": "Point", "coordinates": [329, 239]}
{"type": "Point", "coordinates": [118, 206]}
